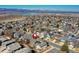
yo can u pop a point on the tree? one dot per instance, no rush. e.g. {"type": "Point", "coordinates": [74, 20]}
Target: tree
{"type": "Point", "coordinates": [24, 29]}
{"type": "Point", "coordinates": [0, 43]}
{"type": "Point", "coordinates": [33, 51]}
{"type": "Point", "coordinates": [27, 41]}
{"type": "Point", "coordinates": [65, 47]}
{"type": "Point", "coordinates": [57, 25]}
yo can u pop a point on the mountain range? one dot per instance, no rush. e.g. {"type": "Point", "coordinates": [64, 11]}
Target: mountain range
{"type": "Point", "coordinates": [6, 10]}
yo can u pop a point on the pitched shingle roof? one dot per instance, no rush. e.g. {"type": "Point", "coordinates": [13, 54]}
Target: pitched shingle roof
{"type": "Point", "coordinates": [24, 50]}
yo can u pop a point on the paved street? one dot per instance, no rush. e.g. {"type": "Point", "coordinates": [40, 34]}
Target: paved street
{"type": "Point", "coordinates": [58, 47]}
{"type": "Point", "coordinates": [54, 50]}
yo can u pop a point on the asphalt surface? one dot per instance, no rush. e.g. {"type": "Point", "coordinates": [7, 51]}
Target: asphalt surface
{"type": "Point", "coordinates": [54, 50]}
{"type": "Point", "coordinates": [58, 48]}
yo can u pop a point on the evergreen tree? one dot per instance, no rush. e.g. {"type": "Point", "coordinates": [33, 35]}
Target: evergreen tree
{"type": "Point", "coordinates": [24, 29]}
{"type": "Point", "coordinates": [57, 25]}
{"type": "Point", "coordinates": [0, 43]}
{"type": "Point", "coordinates": [65, 47]}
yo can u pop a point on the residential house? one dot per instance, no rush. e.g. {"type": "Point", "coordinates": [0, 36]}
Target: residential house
{"type": "Point", "coordinates": [2, 39]}
{"type": "Point", "coordinates": [24, 50]}
{"type": "Point", "coordinates": [39, 44]}
{"type": "Point", "coordinates": [8, 42]}
{"type": "Point", "coordinates": [13, 47]}
{"type": "Point", "coordinates": [17, 35]}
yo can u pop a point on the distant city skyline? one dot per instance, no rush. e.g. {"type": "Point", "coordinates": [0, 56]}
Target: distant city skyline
{"type": "Point", "coordinates": [43, 7]}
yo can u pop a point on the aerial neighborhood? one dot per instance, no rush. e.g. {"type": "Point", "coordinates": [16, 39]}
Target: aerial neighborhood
{"type": "Point", "coordinates": [41, 33]}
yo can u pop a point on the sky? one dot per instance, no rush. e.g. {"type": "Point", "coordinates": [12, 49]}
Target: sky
{"type": "Point", "coordinates": [43, 7]}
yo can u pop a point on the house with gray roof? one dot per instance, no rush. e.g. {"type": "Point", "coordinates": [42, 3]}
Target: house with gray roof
{"type": "Point", "coordinates": [76, 43]}
{"type": "Point", "coordinates": [2, 39]}
{"type": "Point", "coordinates": [6, 43]}
{"type": "Point", "coordinates": [24, 50]}
{"type": "Point", "coordinates": [40, 44]}
{"type": "Point", "coordinates": [26, 37]}
{"type": "Point", "coordinates": [13, 47]}
{"type": "Point", "coordinates": [17, 35]}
